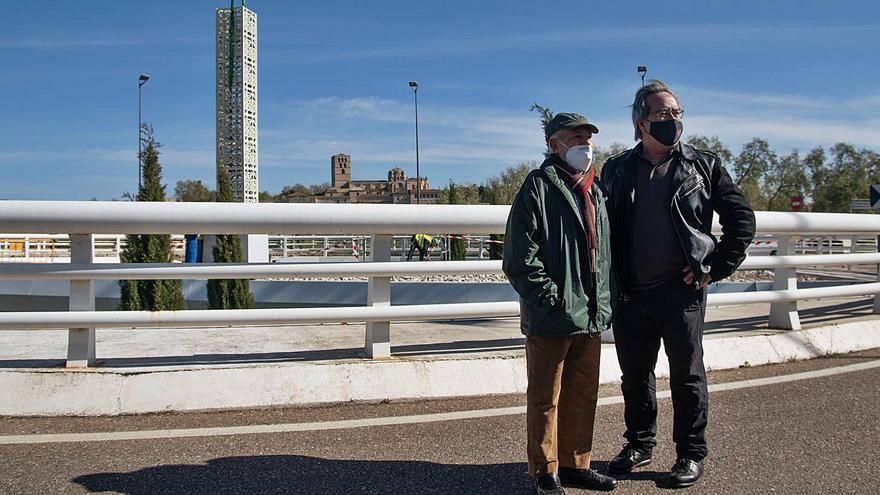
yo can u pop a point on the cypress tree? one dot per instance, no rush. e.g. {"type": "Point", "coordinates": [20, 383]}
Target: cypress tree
{"type": "Point", "coordinates": [457, 248]}
{"type": "Point", "coordinates": [228, 294]}
{"type": "Point", "coordinates": [150, 295]}
{"type": "Point", "coordinates": [487, 196]}
{"type": "Point", "coordinates": [496, 248]}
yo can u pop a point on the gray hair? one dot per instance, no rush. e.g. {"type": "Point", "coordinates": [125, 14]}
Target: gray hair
{"type": "Point", "coordinates": [558, 137]}
{"type": "Point", "coordinates": [640, 104]}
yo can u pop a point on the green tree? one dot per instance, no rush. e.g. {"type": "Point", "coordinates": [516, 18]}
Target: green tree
{"type": "Point", "coordinates": [465, 194]}
{"type": "Point", "coordinates": [819, 173]}
{"type": "Point", "coordinates": [500, 190]}
{"type": "Point", "coordinates": [750, 167]}
{"type": "Point", "coordinates": [192, 191]}
{"type": "Point", "coordinates": [235, 293]}
{"type": "Point", "coordinates": [713, 144]}
{"type": "Point", "coordinates": [150, 295]}
{"type": "Point", "coordinates": [872, 162]}
{"type": "Point", "coordinates": [457, 247]}
{"type": "Point", "coordinates": [602, 154]}
{"type": "Point", "coordinates": [297, 188]}
{"type": "Point", "coordinates": [785, 178]}
{"type": "Point", "coordinates": [852, 176]}
{"type": "Point", "coordinates": [846, 176]}
{"type": "Point", "coordinates": [319, 188]}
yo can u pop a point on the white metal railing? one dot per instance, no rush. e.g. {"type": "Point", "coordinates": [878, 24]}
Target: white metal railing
{"type": "Point", "coordinates": [84, 220]}
{"type": "Point", "coordinates": [205, 271]}
{"type": "Point", "coordinates": [55, 248]}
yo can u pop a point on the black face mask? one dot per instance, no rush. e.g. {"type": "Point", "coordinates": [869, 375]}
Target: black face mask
{"type": "Point", "coordinates": [667, 132]}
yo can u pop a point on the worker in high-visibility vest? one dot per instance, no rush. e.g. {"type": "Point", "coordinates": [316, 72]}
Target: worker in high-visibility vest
{"type": "Point", "coordinates": [422, 242]}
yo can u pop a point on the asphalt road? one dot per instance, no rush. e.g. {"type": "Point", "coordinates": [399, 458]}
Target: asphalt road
{"type": "Point", "coordinates": [812, 435]}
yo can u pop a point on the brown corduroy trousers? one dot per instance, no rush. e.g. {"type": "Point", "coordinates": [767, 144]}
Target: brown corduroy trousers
{"type": "Point", "coordinates": [562, 392]}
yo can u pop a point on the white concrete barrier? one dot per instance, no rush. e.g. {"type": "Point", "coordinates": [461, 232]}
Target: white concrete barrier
{"type": "Point", "coordinates": [141, 390]}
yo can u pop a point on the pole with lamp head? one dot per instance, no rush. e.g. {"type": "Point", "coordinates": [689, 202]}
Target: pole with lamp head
{"type": "Point", "coordinates": [415, 87]}
{"type": "Point", "coordinates": [142, 79]}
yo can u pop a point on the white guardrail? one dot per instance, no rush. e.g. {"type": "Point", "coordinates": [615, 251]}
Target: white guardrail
{"type": "Point", "coordinates": [84, 220]}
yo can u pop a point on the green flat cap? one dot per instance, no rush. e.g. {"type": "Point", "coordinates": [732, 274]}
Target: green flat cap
{"type": "Point", "coordinates": [567, 120]}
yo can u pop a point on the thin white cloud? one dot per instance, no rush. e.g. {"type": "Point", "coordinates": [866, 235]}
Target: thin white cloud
{"type": "Point", "coordinates": [169, 157]}
{"type": "Point", "coordinates": [467, 43]}
{"type": "Point", "coordinates": [785, 102]}
{"type": "Point", "coordinates": [793, 104]}
{"type": "Point", "coordinates": [472, 122]}
{"type": "Point", "coordinates": [98, 42]}
{"type": "Point", "coordinates": [785, 133]}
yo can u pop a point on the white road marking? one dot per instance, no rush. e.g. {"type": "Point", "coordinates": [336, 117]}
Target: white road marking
{"type": "Point", "coordinates": [387, 421]}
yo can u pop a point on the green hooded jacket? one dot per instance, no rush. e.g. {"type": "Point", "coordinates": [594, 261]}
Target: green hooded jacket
{"type": "Point", "coordinates": [546, 259]}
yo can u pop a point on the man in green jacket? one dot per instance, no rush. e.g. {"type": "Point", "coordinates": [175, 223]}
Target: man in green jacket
{"type": "Point", "coordinates": [556, 256]}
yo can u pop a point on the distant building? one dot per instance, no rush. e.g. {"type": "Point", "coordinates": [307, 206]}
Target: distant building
{"type": "Point", "coordinates": [236, 81]}
{"type": "Point", "coordinates": [398, 189]}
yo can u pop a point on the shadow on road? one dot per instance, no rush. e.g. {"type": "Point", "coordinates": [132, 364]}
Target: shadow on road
{"type": "Point", "coordinates": [808, 316]}
{"type": "Point", "coordinates": [658, 478]}
{"type": "Point", "coordinates": [441, 348]}
{"type": "Point", "coordinates": [302, 474]}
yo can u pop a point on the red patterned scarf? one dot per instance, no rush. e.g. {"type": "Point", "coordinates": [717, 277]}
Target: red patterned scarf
{"type": "Point", "coordinates": [580, 183]}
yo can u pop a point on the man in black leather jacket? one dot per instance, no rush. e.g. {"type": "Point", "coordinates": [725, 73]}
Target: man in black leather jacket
{"type": "Point", "coordinates": [661, 197]}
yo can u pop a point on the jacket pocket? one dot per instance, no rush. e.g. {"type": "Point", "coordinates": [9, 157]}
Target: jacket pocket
{"type": "Point", "coordinates": [690, 187]}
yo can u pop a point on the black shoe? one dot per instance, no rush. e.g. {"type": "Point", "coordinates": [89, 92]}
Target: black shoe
{"type": "Point", "coordinates": [548, 484]}
{"type": "Point", "coordinates": [628, 459]}
{"type": "Point", "coordinates": [685, 472]}
{"type": "Point", "coordinates": [586, 478]}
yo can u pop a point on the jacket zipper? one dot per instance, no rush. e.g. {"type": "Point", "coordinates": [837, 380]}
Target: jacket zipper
{"type": "Point", "coordinates": [624, 296]}
{"type": "Point", "coordinates": [692, 189]}
{"type": "Point", "coordinates": [594, 270]}
{"type": "Point", "coordinates": [677, 233]}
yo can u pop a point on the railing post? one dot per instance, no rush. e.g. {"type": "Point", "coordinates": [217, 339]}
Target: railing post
{"type": "Point", "coordinates": [378, 336]}
{"type": "Point", "coordinates": [853, 248]}
{"type": "Point", "coordinates": [81, 341]}
{"type": "Point", "coordinates": [784, 315]}
{"type": "Point", "coordinates": [877, 296]}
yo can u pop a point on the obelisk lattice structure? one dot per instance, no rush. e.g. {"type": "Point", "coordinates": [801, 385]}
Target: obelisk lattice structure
{"type": "Point", "coordinates": [237, 100]}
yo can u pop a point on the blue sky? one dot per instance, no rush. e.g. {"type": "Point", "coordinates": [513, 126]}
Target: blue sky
{"type": "Point", "coordinates": [333, 79]}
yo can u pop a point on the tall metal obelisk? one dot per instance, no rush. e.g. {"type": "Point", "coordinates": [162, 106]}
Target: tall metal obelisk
{"type": "Point", "coordinates": [237, 99]}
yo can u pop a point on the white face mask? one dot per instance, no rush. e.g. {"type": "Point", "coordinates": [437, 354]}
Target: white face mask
{"type": "Point", "coordinates": [579, 157]}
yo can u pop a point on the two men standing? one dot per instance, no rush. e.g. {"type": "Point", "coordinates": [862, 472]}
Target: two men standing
{"type": "Point", "coordinates": [660, 197]}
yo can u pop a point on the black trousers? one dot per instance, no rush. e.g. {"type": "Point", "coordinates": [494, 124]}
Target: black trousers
{"type": "Point", "coordinates": [423, 252]}
{"type": "Point", "coordinates": [673, 312]}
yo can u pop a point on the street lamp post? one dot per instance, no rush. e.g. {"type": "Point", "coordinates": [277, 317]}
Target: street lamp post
{"type": "Point", "coordinates": [142, 79]}
{"type": "Point", "coordinates": [415, 86]}
{"type": "Point", "coordinates": [642, 71]}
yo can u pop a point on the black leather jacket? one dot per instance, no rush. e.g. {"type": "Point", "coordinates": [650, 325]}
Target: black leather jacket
{"type": "Point", "coordinates": [700, 186]}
